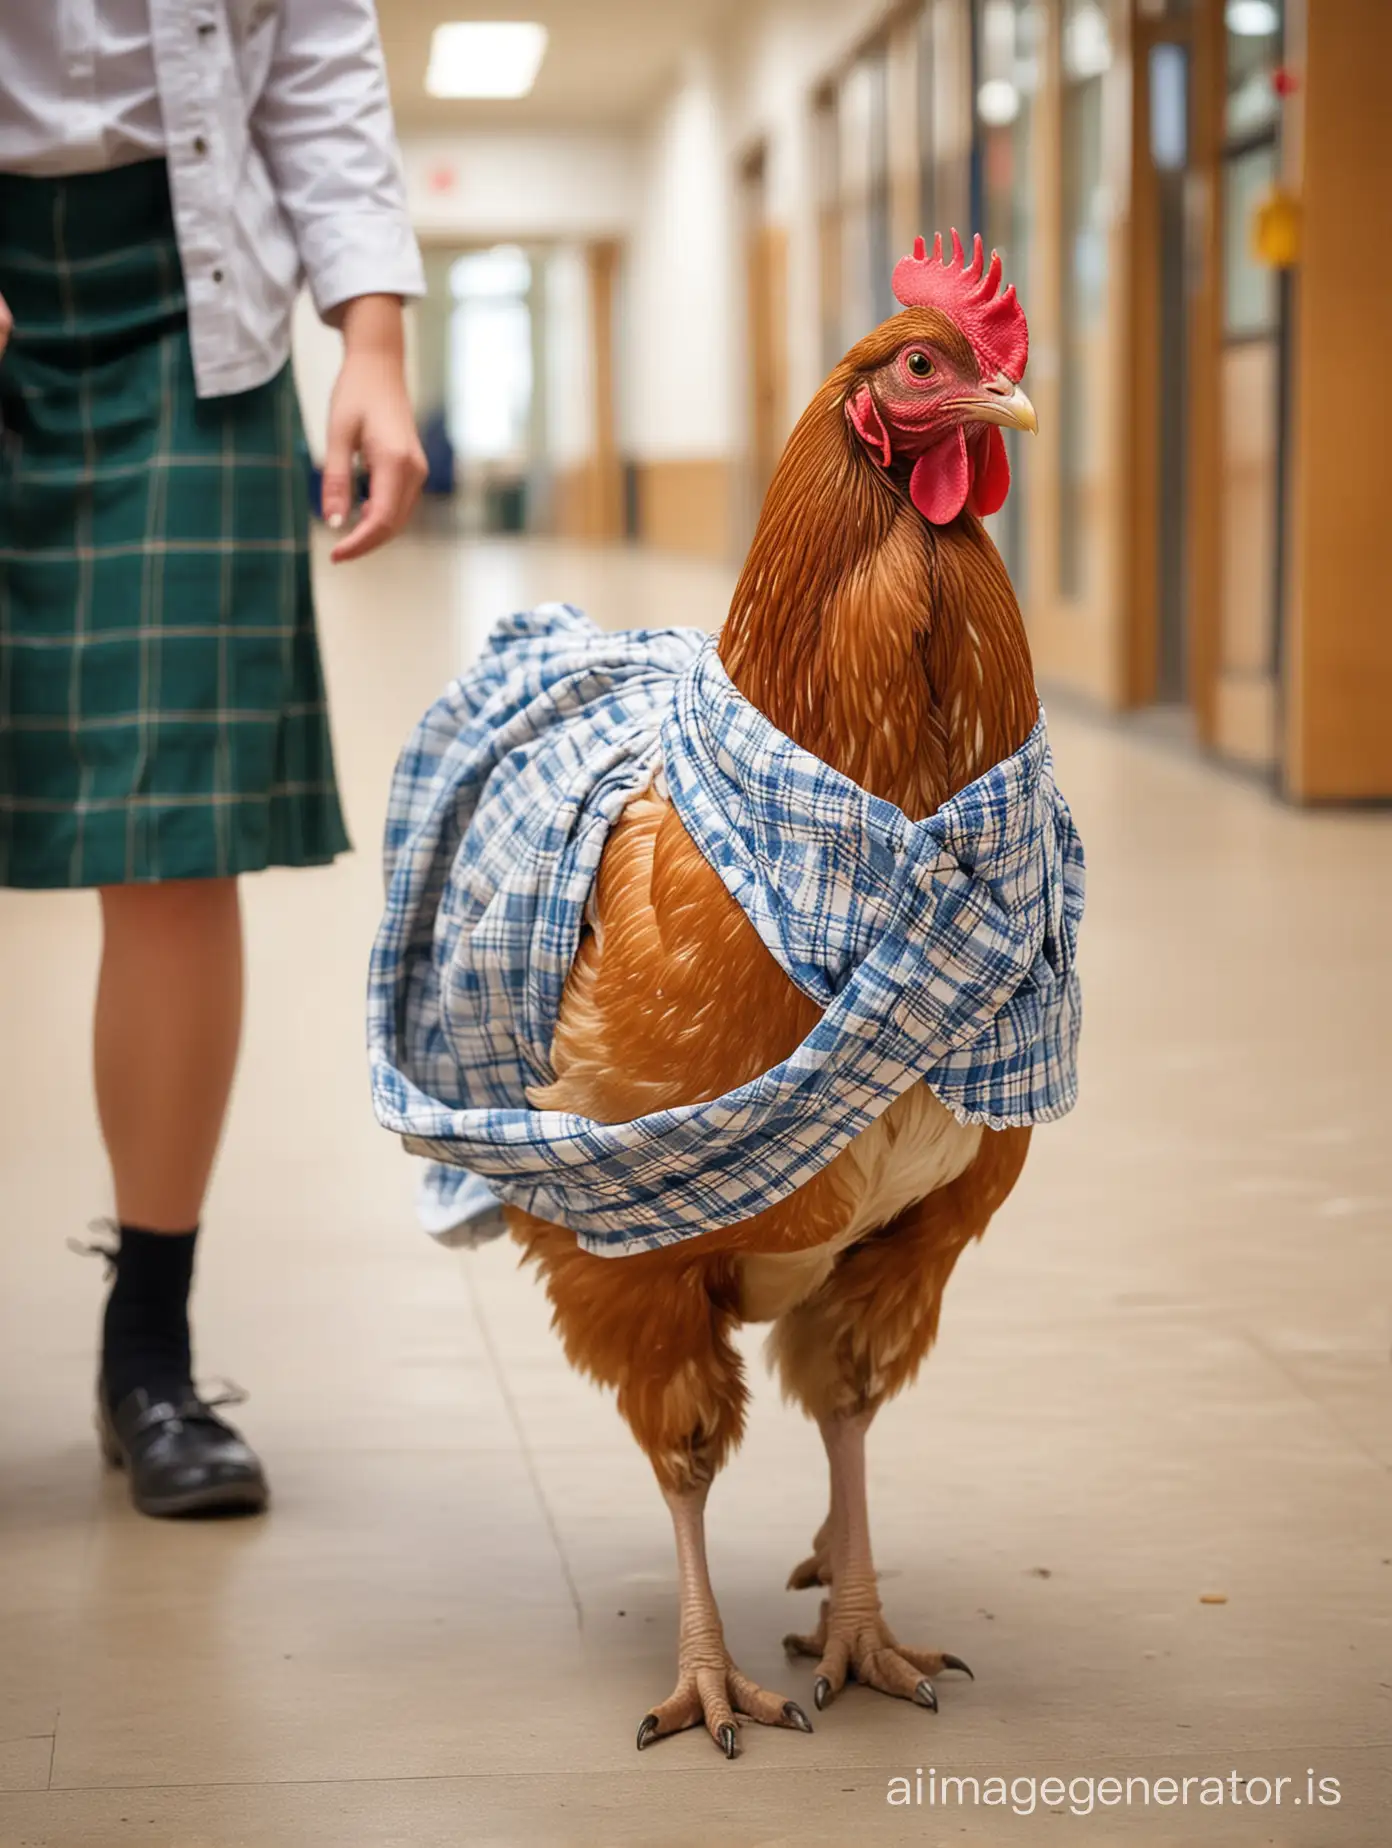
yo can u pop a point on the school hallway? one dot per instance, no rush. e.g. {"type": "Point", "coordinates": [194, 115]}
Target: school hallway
{"type": "Point", "coordinates": [1162, 1381]}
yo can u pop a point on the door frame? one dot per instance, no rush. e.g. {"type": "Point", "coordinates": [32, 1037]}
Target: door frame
{"type": "Point", "coordinates": [1207, 73]}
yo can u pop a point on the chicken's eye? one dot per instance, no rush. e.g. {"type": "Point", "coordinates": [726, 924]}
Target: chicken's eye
{"type": "Point", "coordinates": [919, 364]}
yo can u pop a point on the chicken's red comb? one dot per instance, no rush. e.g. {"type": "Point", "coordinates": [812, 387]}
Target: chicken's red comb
{"type": "Point", "coordinates": [995, 324]}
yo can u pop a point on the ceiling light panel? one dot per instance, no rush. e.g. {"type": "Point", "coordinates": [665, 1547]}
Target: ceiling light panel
{"type": "Point", "coordinates": [485, 58]}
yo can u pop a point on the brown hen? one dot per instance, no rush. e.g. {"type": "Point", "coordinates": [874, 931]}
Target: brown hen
{"type": "Point", "coordinates": [874, 623]}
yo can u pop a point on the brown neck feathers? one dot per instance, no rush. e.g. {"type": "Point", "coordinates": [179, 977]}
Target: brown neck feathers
{"type": "Point", "coordinates": [891, 649]}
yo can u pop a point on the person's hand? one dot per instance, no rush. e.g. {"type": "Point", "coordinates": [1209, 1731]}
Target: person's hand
{"type": "Point", "coordinates": [370, 416]}
{"type": "Point", "coordinates": [6, 323]}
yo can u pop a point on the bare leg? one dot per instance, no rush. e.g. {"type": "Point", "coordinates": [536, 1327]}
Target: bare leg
{"type": "Point", "coordinates": [852, 1637]}
{"type": "Point", "coordinates": [168, 1023]}
{"type": "Point", "coordinates": [710, 1689]}
{"type": "Point", "coordinates": [168, 1019]}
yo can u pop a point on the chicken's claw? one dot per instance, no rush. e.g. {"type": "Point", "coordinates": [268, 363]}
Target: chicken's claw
{"type": "Point", "coordinates": [859, 1646]}
{"type": "Point", "coordinates": [719, 1698]}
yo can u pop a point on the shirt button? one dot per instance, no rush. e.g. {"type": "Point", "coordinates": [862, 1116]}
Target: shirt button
{"type": "Point", "coordinates": [217, 275]}
{"type": "Point", "coordinates": [200, 146]}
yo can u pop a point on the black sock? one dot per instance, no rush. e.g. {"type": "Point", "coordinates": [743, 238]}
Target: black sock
{"type": "Point", "coordinates": [145, 1336]}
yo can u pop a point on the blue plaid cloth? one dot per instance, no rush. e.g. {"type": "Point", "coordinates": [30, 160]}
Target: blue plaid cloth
{"type": "Point", "coordinates": [940, 950]}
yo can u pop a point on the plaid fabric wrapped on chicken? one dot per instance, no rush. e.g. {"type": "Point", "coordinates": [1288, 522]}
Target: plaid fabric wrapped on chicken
{"type": "Point", "coordinates": [940, 951]}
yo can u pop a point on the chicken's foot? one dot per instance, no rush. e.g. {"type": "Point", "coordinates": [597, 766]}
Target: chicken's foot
{"type": "Point", "coordinates": [852, 1639]}
{"type": "Point", "coordinates": [710, 1690]}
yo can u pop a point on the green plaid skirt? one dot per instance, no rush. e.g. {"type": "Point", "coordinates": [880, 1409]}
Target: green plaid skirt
{"type": "Point", "coordinates": [162, 709]}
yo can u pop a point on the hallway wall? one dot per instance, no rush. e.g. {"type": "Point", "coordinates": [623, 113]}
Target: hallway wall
{"type": "Point", "coordinates": [527, 188]}
{"type": "Point", "coordinates": [683, 340]}
{"type": "Point", "coordinates": [568, 349]}
{"type": "Point", "coordinates": [773, 62]}
{"type": "Point", "coordinates": [677, 341]}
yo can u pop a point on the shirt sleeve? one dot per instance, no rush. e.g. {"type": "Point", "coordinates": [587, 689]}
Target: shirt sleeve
{"type": "Point", "coordinates": [323, 124]}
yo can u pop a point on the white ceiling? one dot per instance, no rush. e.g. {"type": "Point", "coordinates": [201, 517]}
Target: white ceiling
{"type": "Point", "coordinates": [607, 62]}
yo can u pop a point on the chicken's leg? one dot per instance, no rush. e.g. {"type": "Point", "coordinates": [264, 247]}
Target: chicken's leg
{"type": "Point", "coordinates": [853, 1637]}
{"type": "Point", "coordinates": [710, 1689]}
{"type": "Point", "coordinates": [682, 1393]}
{"type": "Point", "coordinates": [841, 1354]}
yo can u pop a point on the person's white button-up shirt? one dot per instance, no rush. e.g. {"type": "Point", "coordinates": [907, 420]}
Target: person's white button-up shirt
{"type": "Point", "coordinates": [275, 121]}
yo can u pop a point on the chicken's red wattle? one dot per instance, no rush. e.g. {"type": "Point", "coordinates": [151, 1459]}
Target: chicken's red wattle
{"type": "Point", "coordinates": [990, 472]}
{"type": "Point", "coordinates": [941, 479]}
{"type": "Point", "coordinates": [951, 473]}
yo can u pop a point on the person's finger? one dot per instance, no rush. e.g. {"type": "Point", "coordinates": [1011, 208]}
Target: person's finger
{"type": "Point", "coordinates": [385, 498]}
{"type": "Point", "coordinates": [6, 323]}
{"type": "Point", "coordinates": [336, 496]}
{"type": "Point", "coordinates": [394, 484]}
{"type": "Point", "coordinates": [370, 532]}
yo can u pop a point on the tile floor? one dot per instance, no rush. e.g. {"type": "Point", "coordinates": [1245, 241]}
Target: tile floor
{"type": "Point", "coordinates": [1165, 1374]}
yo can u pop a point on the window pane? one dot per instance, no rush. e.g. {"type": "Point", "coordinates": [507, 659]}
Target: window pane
{"type": "Point", "coordinates": [1250, 295]}
{"type": "Point", "coordinates": [1254, 51]}
{"type": "Point", "coordinates": [1009, 40]}
{"type": "Point", "coordinates": [490, 355]}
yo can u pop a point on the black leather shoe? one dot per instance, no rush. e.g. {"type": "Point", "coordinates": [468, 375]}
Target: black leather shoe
{"type": "Point", "coordinates": [182, 1458]}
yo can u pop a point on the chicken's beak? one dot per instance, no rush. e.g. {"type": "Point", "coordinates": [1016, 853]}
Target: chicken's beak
{"type": "Point", "coordinates": [1002, 402]}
